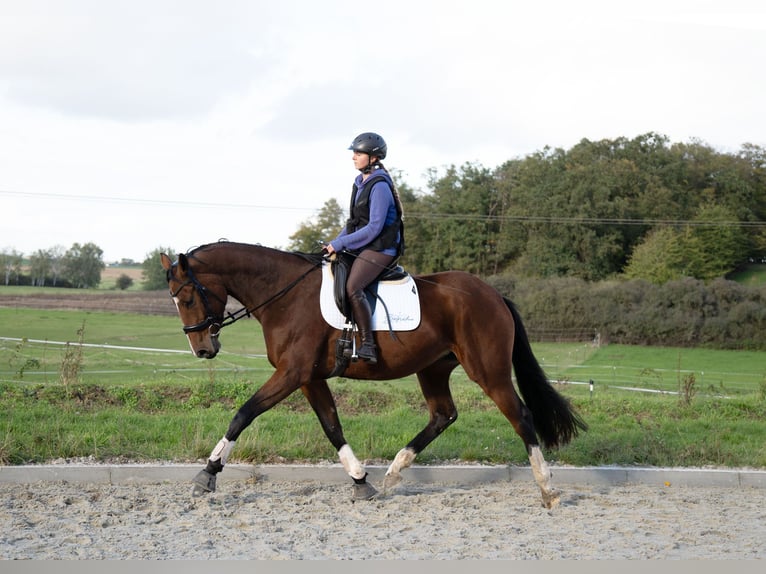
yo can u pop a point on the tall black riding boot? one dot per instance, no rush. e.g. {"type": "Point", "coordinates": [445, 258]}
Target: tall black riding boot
{"type": "Point", "coordinates": [363, 319]}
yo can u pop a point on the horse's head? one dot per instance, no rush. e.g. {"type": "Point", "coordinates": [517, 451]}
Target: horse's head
{"type": "Point", "coordinates": [201, 307]}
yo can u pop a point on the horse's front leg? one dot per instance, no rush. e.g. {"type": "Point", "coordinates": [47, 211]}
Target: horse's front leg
{"type": "Point", "coordinates": [277, 388]}
{"type": "Point", "coordinates": [321, 400]}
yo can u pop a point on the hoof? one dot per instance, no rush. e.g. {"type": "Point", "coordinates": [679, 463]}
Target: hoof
{"type": "Point", "coordinates": [390, 481]}
{"type": "Point", "coordinates": [203, 483]}
{"type": "Point", "coordinates": [363, 491]}
{"type": "Point", "coordinates": [551, 499]}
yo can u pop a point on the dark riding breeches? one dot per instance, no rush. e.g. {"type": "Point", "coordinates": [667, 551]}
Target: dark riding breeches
{"type": "Point", "coordinates": [365, 269]}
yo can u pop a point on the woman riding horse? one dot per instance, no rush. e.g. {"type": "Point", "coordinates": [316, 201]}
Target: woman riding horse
{"type": "Point", "coordinates": [374, 232]}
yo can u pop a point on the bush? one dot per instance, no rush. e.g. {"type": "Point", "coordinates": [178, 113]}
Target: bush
{"type": "Point", "coordinates": [683, 313]}
{"type": "Point", "coordinates": [123, 282]}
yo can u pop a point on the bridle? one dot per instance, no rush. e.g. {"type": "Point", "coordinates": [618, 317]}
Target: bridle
{"type": "Point", "coordinates": [212, 323]}
{"type": "Point", "coordinates": [215, 323]}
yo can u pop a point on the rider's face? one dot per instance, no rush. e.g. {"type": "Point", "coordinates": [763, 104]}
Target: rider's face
{"type": "Point", "coordinates": [361, 160]}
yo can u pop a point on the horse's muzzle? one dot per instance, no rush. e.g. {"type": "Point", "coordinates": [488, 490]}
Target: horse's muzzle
{"type": "Point", "coordinates": [205, 345]}
{"type": "Point", "coordinates": [206, 353]}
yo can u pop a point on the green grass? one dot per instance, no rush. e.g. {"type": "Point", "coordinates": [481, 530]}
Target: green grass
{"type": "Point", "coordinates": [665, 368]}
{"type": "Point", "coordinates": [751, 275]}
{"type": "Point", "coordinates": [138, 404]}
{"type": "Point", "coordinates": [182, 424]}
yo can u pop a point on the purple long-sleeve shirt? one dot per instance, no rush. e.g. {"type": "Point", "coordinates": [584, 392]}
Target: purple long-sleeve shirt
{"type": "Point", "coordinates": [382, 213]}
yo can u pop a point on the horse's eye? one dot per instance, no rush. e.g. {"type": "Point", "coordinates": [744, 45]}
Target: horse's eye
{"type": "Point", "coordinates": [187, 304]}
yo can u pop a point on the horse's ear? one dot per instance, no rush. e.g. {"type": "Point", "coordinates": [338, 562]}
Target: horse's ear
{"type": "Point", "coordinates": [166, 262]}
{"type": "Point", "coordinates": [183, 262]}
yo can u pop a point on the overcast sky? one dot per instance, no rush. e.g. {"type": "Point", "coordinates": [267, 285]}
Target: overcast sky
{"type": "Point", "coordinates": [142, 124]}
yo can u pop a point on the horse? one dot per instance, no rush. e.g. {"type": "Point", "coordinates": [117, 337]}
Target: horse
{"type": "Point", "coordinates": [464, 322]}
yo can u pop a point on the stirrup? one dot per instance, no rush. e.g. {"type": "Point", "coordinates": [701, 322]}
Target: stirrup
{"type": "Point", "coordinates": [344, 344]}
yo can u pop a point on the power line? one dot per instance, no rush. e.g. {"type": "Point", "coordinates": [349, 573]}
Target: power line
{"type": "Point", "coordinates": [143, 201]}
{"type": "Point", "coordinates": [585, 220]}
{"type": "Point", "coordinates": [409, 215]}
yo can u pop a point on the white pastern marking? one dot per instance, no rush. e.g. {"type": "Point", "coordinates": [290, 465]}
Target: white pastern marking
{"type": "Point", "coordinates": [222, 450]}
{"type": "Point", "coordinates": [402, 460]}
{"type": "Point", "coordinates": [349, 461]}
{"type": "Point", "coordinates": [540, 468]}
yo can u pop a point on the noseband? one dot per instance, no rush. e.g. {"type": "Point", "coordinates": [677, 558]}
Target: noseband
{"type": "Point", "coordinates": [213, 324]}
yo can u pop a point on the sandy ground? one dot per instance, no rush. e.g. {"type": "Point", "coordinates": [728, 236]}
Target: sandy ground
{"type": "Point", "coordinates": [290, 520]}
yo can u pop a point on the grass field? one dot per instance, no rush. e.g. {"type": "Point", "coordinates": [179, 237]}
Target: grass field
{"type": "Point", "coordinates": [110, 274]}
{"type": "Point", "coordinates": [129, 347]}
{"type": "Point", "coordinates": [751, 275]}
{"type": "Point", "coordinates": [126, 386]}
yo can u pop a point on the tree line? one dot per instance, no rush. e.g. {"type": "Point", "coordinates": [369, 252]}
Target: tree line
{"type": "Point", "coordinates": [624, 241]}
{"type": "Point", "coordinates": [79, 267]}
{"type": "Point", "coordinates": [641, 208]}
{"type": "Point", "coordinates": [634, 208]}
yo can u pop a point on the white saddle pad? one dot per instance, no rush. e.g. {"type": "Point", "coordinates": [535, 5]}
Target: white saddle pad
{"type": "Point", "coordinates": [400, 298]}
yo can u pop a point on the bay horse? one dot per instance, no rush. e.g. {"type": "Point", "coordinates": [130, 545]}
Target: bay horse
{"type": "Point", "coordinates": [464, 321]}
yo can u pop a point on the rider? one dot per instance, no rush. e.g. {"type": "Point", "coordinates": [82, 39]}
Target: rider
{"type": "Point", "coordinates": [374, 232]}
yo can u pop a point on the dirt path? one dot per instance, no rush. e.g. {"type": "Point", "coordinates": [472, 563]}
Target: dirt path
{"type": "Point", "coordinates": [309, 520]}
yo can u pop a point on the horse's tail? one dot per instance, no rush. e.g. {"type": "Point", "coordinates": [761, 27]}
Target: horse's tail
{"type": "Point", "coordinates": [556, 421]}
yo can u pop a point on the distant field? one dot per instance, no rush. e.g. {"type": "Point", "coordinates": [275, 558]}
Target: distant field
{"type": "Point", "coordinates": [751, 275]}
{"type": "Point", "coordinates": [138, 393]}
{"type": "Point", "coordinates": [108, 278]}
{"type": "Point", "coordinates": [110, 274]}
{"type": "Point", "coordinates": [615, 367]}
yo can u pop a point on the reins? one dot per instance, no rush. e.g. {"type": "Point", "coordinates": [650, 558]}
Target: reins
{"type": "Point", "coordinates": [210, 321]}
{"type": "Point", "coordinates": [215, 324]}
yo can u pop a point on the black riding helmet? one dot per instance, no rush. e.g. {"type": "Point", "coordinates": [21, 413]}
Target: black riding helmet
{"type": "Point", "coordinates": [371, 144]}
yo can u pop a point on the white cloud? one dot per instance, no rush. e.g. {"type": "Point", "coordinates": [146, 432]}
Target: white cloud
{"type": "Point", "coordinates": [147, 114]}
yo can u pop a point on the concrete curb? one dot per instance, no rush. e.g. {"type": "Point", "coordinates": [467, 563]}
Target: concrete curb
{"type": "Point", "coordinates": [464, 474]}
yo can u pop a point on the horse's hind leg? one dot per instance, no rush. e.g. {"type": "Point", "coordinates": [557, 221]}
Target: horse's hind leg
{"type": "Point", "coordinates": [504, 395]}
{"type": "Point", "coordinates": [320, 398]}
{"type": "Point", "coordinates": [434, 384]}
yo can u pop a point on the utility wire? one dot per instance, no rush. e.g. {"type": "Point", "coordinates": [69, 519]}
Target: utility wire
{"type": "Point", "coordinates": [143, 201]}
{"type": "Point", "coordinates": [409, 215]}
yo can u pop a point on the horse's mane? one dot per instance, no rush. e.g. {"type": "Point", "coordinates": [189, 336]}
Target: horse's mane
{"type": "Point", "coordinates": [314, 258]}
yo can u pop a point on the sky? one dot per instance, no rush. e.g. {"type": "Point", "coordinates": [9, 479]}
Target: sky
{"type": "Point", "coordinates": [146, 124]}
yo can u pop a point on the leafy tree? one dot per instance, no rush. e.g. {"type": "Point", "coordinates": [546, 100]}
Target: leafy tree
{"type": "Point", "coordinates": [705, 250]}
{"type": "Point", "coordinates": [717, 245]}
{"type": "Point", "coordinates": [579, 205]}
{"type": "Point", "coordinates": [83, 265]}
{"type": "Point", "coordinates": [152, 274]}
{"type": "Point", "coordinates": [595, 211]}
{"type": "Point", "coordinates": [451, 227]}
{"type": "Point", "coordinates": [659, 258]}
{"type": "Point", "coordinates": [324, 227]}
{"type": "Point", "coordinates": [40, 266]}
{"type": "Point", "coordinates": [10, 261]}
{"type": "Point", "coordinates": [57, 262]}
{"type": "Point", "coordinates": [416, 226]}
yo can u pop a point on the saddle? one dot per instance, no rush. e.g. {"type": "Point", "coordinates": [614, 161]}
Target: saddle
{"type": "Point", "coordinates": [340, 267]}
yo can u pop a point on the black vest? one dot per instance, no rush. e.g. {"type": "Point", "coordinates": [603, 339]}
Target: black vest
{"type": "Point", "coordinates": [360, 216]}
